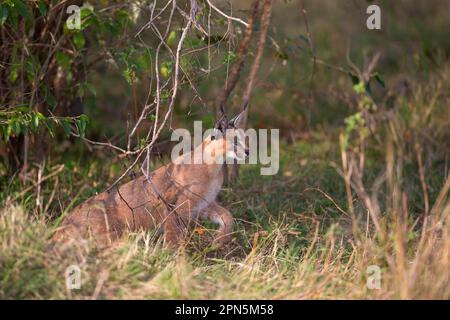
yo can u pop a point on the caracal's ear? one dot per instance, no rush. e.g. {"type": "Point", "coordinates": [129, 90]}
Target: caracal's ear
{"type": "Point", "coordinates": [237, 119]}
{"type": "Point", "coordinates": [221, 123]}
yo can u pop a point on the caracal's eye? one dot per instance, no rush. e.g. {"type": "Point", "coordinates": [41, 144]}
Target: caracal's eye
{"type": "Point", "coordinates": [215, 134]}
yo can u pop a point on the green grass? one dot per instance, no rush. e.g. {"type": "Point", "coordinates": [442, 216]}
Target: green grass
{"type": "Point", "coordinates": [301, 234]}
{"type": "Point", "coordinates": [291, 241]}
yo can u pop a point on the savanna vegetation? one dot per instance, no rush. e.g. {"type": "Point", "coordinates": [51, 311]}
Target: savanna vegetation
{"type": "Point", "coordinates": [364, 119]}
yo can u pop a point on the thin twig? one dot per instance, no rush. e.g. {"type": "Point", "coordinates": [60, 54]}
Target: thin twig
{"type": "Point", "coordinates": [239, 63]}
{"type": "Point", "coordinates": [225, 15]}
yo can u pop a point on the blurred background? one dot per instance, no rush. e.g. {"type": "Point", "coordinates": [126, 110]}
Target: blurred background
{"type": "Point", "coordinates": [292, 93]}
{"type": "Point", "coordinates": [305, 81]}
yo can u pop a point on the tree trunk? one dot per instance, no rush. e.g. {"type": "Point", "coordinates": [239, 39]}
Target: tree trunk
{"type": "Point", "coordinates": [233, 170]}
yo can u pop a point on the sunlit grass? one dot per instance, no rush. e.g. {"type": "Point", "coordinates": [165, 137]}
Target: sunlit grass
{"type": "Point", "coordinates": [291, 241]}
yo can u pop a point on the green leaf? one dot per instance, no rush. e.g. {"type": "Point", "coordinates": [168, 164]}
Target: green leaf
{"type": "Point", "coordinates": [130, 76]}
{"type": "Point", "coordinates": [50, 128]}
{"type": "Point", "coordinates": [166, 68]}
{"type": "Point", "coordinates": [14, 74]}
{"type": "Point", "coordinates": [112, 27]}
{"type": "Point", "coordinates": [88, 17]}
{"type": "Point", "coordinates": [32, 67]}
{"type": "Point", "coordinates": [66, 126]}
{"type": "Point", "coordinates": [8, 132]}
{"type": "Point", "coordinates": [165, 94]}
{"type": "Point", "coordinates": [34, 121]}
{"type": "Point", "coordinates": [354, 122]}
{"type": "Point", "coordinates": [80, 91]}
{"type": "Point", "coordinates": [171, 38]}
{"type": "Point", "coordinates": [13, 16]}
{"type": "Point", "coordinates": [122, 17]}
{"type": "Point", "coordinates": [14, 124]}
{"type": "Point", "coordinates": [228, 57]}
{"type": "Point", "coordinates": [380, 79]}
{"type": "Point", "coordinates": [40, 116]}
{"type": "Point", "coordinates": [3, 14]}
{"type": "Point", "coordinates": [51, 100]}
{"type": "Point", "coordinates": [81, 124]}
{"type": "Point", "coordinates": [22, 108]}
{"type": "Point", "coordinates": [142, 143]}
{"type": "Point", "coordinates": [79, 40]}
{"type": "Point", "coordinates": [64, 60]}
{"type": "Point", "coordinates": [42, 7]}
{"type": "Point", "coordinates": [23, 9]}
{"type": "Point", "coordinates": [359, 88]}
{"type": "Point", "coordinates": [143, 62]}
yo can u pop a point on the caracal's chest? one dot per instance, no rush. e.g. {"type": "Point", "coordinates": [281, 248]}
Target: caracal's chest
{"type": "Point", "coordinates": [207, 194]}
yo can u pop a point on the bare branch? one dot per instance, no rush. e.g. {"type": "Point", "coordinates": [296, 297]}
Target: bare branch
{"type": "Point", "coordinates": [223, 95]}
{"type": "Point", "coordinates": [225, 15]}
{"type": "Point", "coordinates": [265, 21]}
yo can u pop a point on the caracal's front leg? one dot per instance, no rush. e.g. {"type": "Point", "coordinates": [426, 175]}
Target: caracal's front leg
{"type": "Point", "coordinates": [221, 216]}
{"type": "Point", "coordinates": [174, 230]}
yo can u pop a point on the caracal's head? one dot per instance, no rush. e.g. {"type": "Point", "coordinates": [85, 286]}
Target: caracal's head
{"type": "Point", "coordinates": [227, 140]}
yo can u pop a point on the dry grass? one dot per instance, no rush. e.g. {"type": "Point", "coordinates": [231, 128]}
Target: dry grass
{"type": "Point", "coordinates": [138, 268]}
{"type": "Point", "coordinates": [296, 235]}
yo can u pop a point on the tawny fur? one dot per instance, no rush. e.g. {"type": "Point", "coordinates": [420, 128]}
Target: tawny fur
{"type": "Point", "coordinates": [188, 192]}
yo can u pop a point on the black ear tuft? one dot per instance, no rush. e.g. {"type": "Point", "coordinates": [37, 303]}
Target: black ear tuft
{"type": "Point", "coordinates": [245, 106]}
{"type": "Point", "coordinates": [222, 108]}
{"type": "Point", "coordinates": [233, 123]}
{"type": "Point", "coordinates": [236, 121]}
{"type": "Point", "coordinates": [221, 123]}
